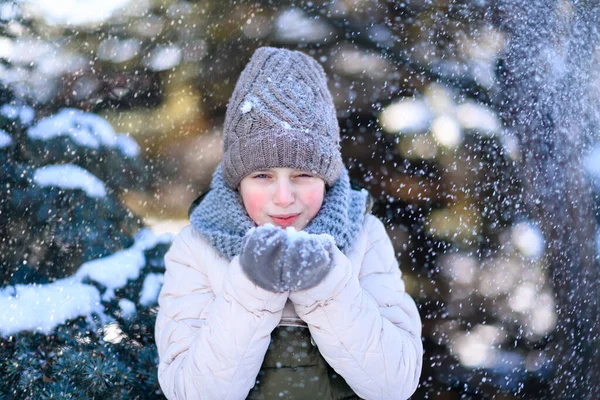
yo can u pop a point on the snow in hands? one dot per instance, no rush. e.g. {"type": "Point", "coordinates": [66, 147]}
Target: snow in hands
{"type": "Point", "coordinates": [303, 259]}
{"type": "Point", "coordinates": [293, 235]}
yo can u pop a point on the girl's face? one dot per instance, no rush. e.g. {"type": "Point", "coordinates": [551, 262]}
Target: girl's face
{"type": "Point", "coordinates": [282, 196]}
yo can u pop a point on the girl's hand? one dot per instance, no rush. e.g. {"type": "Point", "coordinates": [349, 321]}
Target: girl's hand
{"type": "Point", "coordinates": [262, 257]}
{"type": "Point", "coordinates": [308, 259]}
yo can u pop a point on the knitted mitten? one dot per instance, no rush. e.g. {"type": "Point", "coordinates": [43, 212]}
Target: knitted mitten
{"type": "Point", "coordinates": [262, 257]}
{"type": "Point", "coordinates": [308, 259]}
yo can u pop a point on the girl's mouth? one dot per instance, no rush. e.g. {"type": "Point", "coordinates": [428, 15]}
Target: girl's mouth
{"type": "Point", "coordinates": [285, 221]}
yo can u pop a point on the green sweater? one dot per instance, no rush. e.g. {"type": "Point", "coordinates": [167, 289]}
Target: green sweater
{"type": "Point", "coordinates": [295, 369]}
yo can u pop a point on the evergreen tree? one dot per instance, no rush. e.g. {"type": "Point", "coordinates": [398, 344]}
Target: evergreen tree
{"type": "Point", "coordinates": [66, 239]}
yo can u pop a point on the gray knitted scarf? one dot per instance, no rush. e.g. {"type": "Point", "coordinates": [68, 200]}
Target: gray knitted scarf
{"type": "Point", "coordinates": [222, 219]}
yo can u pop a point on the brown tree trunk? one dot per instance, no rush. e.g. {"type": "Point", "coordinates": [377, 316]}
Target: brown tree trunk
{"type": "Point", "coordinates": [547, 83]}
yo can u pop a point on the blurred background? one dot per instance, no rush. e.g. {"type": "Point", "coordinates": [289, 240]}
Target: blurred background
{"type": "Point", "coordinates": [473, 124]}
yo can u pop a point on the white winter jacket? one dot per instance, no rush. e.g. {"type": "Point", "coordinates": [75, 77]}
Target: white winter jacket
{"type": "Point", "coordinates": [213, 326]}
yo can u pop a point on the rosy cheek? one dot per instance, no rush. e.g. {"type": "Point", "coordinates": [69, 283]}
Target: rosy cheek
{"type": "Point", "coordinates": [255, 206]}
{"type": "Point", "coordinates": [313, 201]}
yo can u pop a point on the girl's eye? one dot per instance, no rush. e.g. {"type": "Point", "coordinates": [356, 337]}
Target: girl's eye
{"type": "Point", "coordinates": [261, 176]}
{"type": "Point", "coordinates": [305, 176]}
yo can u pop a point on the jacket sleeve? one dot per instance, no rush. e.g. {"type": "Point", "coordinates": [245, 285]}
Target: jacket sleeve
{"type": "Point", "coordinates": [210, 346]}
{"type": "Point", "coordinates": [368, 330]}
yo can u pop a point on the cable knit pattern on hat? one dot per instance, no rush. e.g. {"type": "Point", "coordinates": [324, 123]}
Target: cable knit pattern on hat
{"type": "Point", "coordinates": [222, 219]}
{"type": "Point", "coordinates": [281, 114]}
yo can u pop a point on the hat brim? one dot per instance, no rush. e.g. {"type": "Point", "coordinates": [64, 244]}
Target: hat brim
{"type": "Point", "coordinates": [282, 149]}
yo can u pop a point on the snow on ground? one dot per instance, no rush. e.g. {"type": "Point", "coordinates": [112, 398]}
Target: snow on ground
{"type": "Point", "coordinates": [86, 129]}
{"type": "Point", "coordinates": [43, 307]}
{"type": "Point", "coordinates": [69, 176]}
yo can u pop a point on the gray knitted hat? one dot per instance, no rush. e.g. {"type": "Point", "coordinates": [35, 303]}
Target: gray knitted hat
{"type": "Point", "coordinates": [281, 114]}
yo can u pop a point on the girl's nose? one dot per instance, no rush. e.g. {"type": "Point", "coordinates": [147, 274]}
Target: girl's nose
{"type": "Point", "coordinates": [284, 194]}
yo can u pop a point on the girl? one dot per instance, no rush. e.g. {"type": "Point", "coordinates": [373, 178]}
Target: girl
{"type": "Point", "coordinates": [284, 285]}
